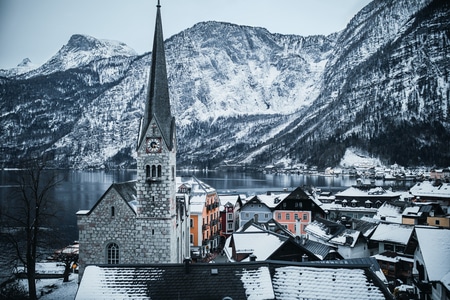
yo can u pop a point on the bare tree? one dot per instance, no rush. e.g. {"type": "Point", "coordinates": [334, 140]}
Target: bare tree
{"type": "Point", "coordinates": [32, 216]}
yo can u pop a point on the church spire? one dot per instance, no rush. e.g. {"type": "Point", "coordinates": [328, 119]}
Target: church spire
{"type": "Point", "coordinates": [158, 102]}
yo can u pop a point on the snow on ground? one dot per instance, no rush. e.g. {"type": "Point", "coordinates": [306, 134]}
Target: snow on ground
{"type": "Point", "coordinates": [54, 289]}
{"type": "Point", "coordinates": [354, 159]}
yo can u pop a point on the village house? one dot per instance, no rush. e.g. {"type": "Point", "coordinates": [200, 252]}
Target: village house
{"type": "Point", "coordinates": [227, 207]}
{"type": "Point", "coordinates": [257, 241]}
{"type": "Point", "coordinates": [396, 267]}
{"type": "Point", "coordinates": [356, 202]}
{"type": "Point", "coordinates": [349, 243]}
{"type": "Point", "coordinates": [297, 210]}
{"type": "Point", "coordinates": [431, 272]}
{"type": "Point", "coordinates": [390, 237]}
{"type": "Point", "coordinates": [259, 208]}
{"type": "Point", "coordinates": [432, 192]}
{"type": "Point", "coordinates": [204, 229]}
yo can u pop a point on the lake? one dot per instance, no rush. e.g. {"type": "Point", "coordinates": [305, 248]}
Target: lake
{"type": "Point", "coordinates": [80, 190]}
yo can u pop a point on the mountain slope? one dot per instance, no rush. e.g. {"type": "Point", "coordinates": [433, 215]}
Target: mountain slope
{"type": "Point", "coordinates": [242, 95]}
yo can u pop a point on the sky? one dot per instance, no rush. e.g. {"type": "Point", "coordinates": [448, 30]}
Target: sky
{"type": "Point", "coordinates": [37, 29]}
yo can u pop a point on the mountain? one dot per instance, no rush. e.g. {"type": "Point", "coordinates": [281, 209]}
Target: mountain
{"type": "Point", "coordinates": [242, 95]}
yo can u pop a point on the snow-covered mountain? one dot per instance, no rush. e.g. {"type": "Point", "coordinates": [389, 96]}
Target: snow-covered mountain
{"type": "Point", "coordinates": [243, 95]}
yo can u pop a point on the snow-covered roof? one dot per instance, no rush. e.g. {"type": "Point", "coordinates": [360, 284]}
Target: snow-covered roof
{"type": "Point", "coordinates": [428, 189]}
{"type": "Point", "coordinates": [293, 282]}
{"type": "Point", "coordinates": [435, 247]}
{"type": "Point", "coordinates": [396, 233]}
{"type": "Point", "coordinates": [260, 244]}
{"type": "Point", "coordinates": [389, 213]}
{"type": "Point", "coordinates": [376, 193]}
{"type": "Point", "coordinates": [224, 199]}
{"type": "Point", "coordinates": [197, 203]}
{"type": "Point", "coordinates": [412, 211]}
{"type": "Point", "coordinates": [255, 280]}
{"type": "Point", "coordinates": [273, 199]}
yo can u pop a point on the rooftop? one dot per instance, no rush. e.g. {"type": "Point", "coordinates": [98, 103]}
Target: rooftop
{"type": "Point", "coordinates": [252, 280]}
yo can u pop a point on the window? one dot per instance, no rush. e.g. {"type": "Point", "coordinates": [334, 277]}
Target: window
{"type": "Point", "coordinates": [230, 226]}
{"type": "Point", "coordinates": [112, 211]}
{"type": "Point", "coordinates": [192, 223]}
{"type": "Point", "coordinates": [305, 217]}
{"type": "Point", "coordinates": [266, 216]}
{"type": "Point", "coordinates": [437, 222]}
{"type": "Point", "coordinates": [153, 171]}
{"type": "Point", "coordinates": [230, 216]}
{"type": "Point", "coordinates": [191, 239]}
{"type": "Point", "coordinates": [113, 253]}
{"type": "Point", "coordinates": [159, 171]}
{"type": "Point", "coordinates": [388, 247]}
{"type": "Point", "coordinates": [147, 171]}
{"type": "Point", "coordinates": [288, 216]}
{"type": "Point", "coordinates": [296, 216]}
{"type": "Point", "coordinates": [279, 216]}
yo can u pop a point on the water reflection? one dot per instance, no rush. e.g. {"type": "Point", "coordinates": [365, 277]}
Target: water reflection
{"type": "Point", "coordinates": [80, 190]}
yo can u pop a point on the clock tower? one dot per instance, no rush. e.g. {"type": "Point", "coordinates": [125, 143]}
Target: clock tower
{"type": "Point", "coordinates": [156, 165]}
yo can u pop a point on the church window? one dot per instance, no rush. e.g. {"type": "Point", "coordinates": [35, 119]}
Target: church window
{"type": "Point", "coordinates": [159, 171]}
{"type": "Point", "coordinates": [173, 173]}
{"type": "Point", "coordinates": [112, 211]}
{"type": "Point", "coordinates": [113, 253]}
{"type": "Point", "coordinates": [153, 171]}
{"type": "Point", "coordinates": [147, 171]}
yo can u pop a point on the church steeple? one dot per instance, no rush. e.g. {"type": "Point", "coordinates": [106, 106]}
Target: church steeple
{"type": "Point", "coordinates": [158, 102]}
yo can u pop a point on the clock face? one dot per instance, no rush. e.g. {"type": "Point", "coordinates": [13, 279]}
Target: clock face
{"type": "Point", "coordinates": [153, 145]}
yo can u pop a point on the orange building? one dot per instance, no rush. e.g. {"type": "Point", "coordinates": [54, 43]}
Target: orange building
{"type": "Point", "coordinates": [204, 224]}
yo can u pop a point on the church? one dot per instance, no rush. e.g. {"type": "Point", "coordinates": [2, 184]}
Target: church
{"type": "Point", "coordinates": [142, 221]}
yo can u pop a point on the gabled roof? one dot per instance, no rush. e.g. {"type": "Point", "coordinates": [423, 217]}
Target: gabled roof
{"type": "Point", "coordinates": [126, 190]}
{"type": "Point", "coordinates": [366, 226]}
{"type": "Point", "coordinates": [260, 244]}
{"type": "Point", "coordinates": [319, 249]}
{"type": "Point", "coordinates": [435, 248]}
{"type": "Point", "coordinates": [252, 280]}
{"type": "Point", "coordinates": [395, 233]}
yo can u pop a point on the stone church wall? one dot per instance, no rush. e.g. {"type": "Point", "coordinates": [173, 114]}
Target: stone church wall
{"type": "Point", "coordinates": [100, 228]}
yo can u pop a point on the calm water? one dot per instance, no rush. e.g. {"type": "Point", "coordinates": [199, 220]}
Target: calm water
{"type": "Point", "coordinates": [82, 189]}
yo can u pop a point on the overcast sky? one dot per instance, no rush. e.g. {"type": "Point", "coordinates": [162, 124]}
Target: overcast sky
{"type": "Point", "coordinates": [37, 29]}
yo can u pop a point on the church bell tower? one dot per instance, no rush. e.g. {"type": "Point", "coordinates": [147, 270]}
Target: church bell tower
{"type": "Point", "coordinates": [156, 163]}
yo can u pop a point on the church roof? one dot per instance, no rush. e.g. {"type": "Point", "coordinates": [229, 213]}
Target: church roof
{"type": "Point", "coordinates": [126, 190]}
{"type": "Point", "coordinates": [158, 102]}
{"type": "Point", "coordinates": [250, 280]}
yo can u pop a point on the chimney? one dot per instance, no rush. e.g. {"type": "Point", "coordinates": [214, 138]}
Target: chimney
{"type": "Point", "coordinates": [252, 257]}
{"type": "Point", "coordinates": [304, 258]}
{"type": "Point", "coordinates": [187, 265]}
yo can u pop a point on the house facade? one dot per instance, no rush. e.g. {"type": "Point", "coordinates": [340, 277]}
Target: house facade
{"type": "Point", "coordinates": [142, 221]}
{"type": "Point", "coordinates": [254, 208]}
{"type": "Point", "coordinates": [431, 272]}
{"type": "Point", "coordinates": [297, 210]}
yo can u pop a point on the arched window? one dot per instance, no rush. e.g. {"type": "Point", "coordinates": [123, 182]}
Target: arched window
{"type": "Point", "coordinates": [112, 253]}
{"type": "Point", "coordinates": [159, 170]}
{"type": "Point", "coordinates": [147, 171]}
{"type": "Point", "coordinates": [153, 171]}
